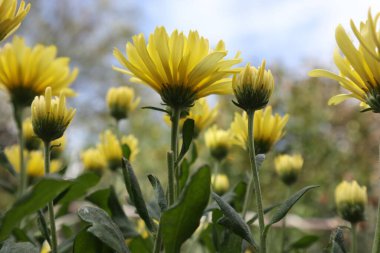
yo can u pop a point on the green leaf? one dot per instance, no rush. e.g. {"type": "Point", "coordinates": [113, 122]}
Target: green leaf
{"type": "Point", "coordinates": [159, 192]}
{"type": "Point", "coordinates": [42, 193]}
{"type": "Point", "coordinates": [287, 205]}
{"type": "Point", "coordinates": [266, 210]}
{"type": "Point", "coordinates": [7, 186]}
{"type": "Point", "coordinates": [135, 194]}
{"type": "Point", "coordinates": [78, 189]}
{"type": "Point", "coordinates": [86, 242]}
{"type": "Point", "coordinates": [126, 151]}
{"type": "Point", "coordinates": [103, 228]}
{"type": "Point", "coordinates": [141, 245]}
{"type": "Point", "coordinates": [21, 235]}
{"type": "Point", "coordinates": [6, 164]}
{"type": "Point", "coordinates": [156, 109]}
{"type": "Point", "coordinates": [239, 191]}
{"type": "Point", "coordinates": [194, 153]}
{"type": "Point", "coordinates": [43, 227]}
{"type": "Point", "coordinates": [232, 243]}
{"type": "Point", "coordinates": [19, 247]}
{"type": "Point", "coordinates": [337, 241]}
{"type": "Point", "coordinates": [232, 220]}
{"type": "Point", "coordinates": [187, 138]}
{"type": "Point", "coordinates": [108, 201]}
{"type": "Point", "coordinates": [180, 221]}
{"type": "Point", "coordinates": [184, 172]}
{"type": "Point", "coordinates": [303, 243]}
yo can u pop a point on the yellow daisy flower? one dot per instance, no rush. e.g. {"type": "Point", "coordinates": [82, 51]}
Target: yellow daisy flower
{"type": "Point", "coordinates": [218, 142]}
{"type": "Point", "coordinates": [121, 101]}
{"type": "Point", "coordinates": [11, 17]}
{"type": "Point", "coordinates": [268, 129]}
{"type": "Point", "coordinates": [26, 72]}
{"type": "Point", "coordinates": [132, 143]}
{"type": "Point", "coordinates": [93, 159]}
{"type": "Point", "coordinates": [288, 167]}
{"type": "Point", "coordinates": [180, 68]}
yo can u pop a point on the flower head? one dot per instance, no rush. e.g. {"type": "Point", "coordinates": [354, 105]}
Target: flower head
{"type": "Point", "coordinates": [132, 144]}
{"type": "Point", "coordinates": [220, 183]}
{"type": "Point", "coordinates": [351, 199]}
{"type": "Point", "coordinates": [93, 160]}
{"type": "Point", "coordinates": [181, 69]}
{"type": "Point", "coordinates": [268, 129]}
{"type": "Point", "coordinates": [288, 167]}
{"type": "Point", "coordinates": [253, 87]}
{"type": "Point", "coordinates": [50, 117]}
{"type": "Point", "coordinates": [121, 101]}
{"type": "Point", "coordinates": [32, 142]}
{"type": "Point", "coordinates": [359, 66]}
{"type": "Point", "coordinates": [13, 155]}
{"type": "Point", "coordinates": [110, 147]}
{"type": "Point", "coordinates": [218, 142]}
{"type": "Point", "coordinates": [11, 17]}
{"type": "Point", "coordinates": [26, 72]}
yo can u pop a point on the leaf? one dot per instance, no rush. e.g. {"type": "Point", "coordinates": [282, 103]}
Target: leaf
{"type": "Point", "coordinates": [187, 138]}
{"type": "Point", "coordinates": [141, 245]}
{"type": "Point", "coordinates": [232, 220]}
{"type": "Point", "coordinates": [155, 109]}
{"type": "Point", "coordinates": [107, 200]}
{"type": "Point", "coordinates": [232, 243]}
{"type": "Point", "coordinates": [184, 171]}
{"type": "Point", "coordinates": [19, 247]}
{"type": "Point", "coordinates": [135, 194]}
{"type": "Point", "coordinates": [287, 205]}
{"type": "Point", "coordinates": [42, 193]}
{"type": "Point", "coordinates": [304, 242]}
{"type": "Point", "coordinates": [86, 242]}
{"type": "Point", "coordinates": [103, 228]}
{"type": "Point", "coordinates": [43, 227]}
{"type": "Point", "coordinates": [159, 192]}
{"type": "Point", "coordinates": [266, 210]}
{"type": "Point", "coordinates": [337, 241]}
{"type": "Point", "coordinates": [227, 197]}
{"type": "Point", "coordinates": [7, 186]}
{"type": "Point", "coordinates": [194, 153]}
{"type": "Point", "coordinates": [259, 160]}
{"type": "Point", "coordinates": [239, 190]}
{"type": "Point", "coordinates": [78, 189]}
{"type": "Point", "coordinates": [6, 164]}
{"type": "Point", "coordinates": [126, 151]}
{"type": "Point", "coordinates": [180, 221]}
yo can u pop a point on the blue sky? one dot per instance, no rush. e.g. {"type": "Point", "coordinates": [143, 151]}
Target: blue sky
{"type": "Point", "coordinates": [283, 31]}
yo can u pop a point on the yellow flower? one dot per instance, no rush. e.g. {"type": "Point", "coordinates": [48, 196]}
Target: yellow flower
{"type": "Point", "coordinates": [268, 129]}
{"type": "Point", "coordinates": [50, 117]}
{"type": "Point", "coordinates": [110, 147]}
{"type": "Point", "coordinates": [26, 72]}
{"type": "Point", "coordinates": [132, 143]}
{"type": "Point", "coordinates": [45, 247]}
{"type": "Point", "coordinates": [202, 115]}
{"type": "Point", "coordinates": [58, 146]}
{"type": "Point", "coordinates": [93, 159]}
{"type": "Point", "coordinates": [220, 183]}
{"type": "Point", "coordinates": [351, 199]}
{"type": "Point", "coordinates": [218, 142]}
{"type": "Point", "coordinates": [11, 17]}
{"type": "Point", "coordinates": [359, 66]}
{"type": "Point", "coordinates": [34, 161]}
{"type": "Point", "coordinates": [288, 167]}
{"type": "Point", "coordinates": [253, 87]}
{"type": "Point", "coordinates": [121, 101]}
{"type": "Point", "coordinates": [141, 229]}
{"type": "Point", "coordinates": [31, 140]}
{"type": "Point", "coordinates": [180, 68]}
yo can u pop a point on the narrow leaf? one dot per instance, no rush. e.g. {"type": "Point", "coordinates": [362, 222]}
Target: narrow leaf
{"type": "Point", "coordinates": [266, 210]}
{"type": "Point", "coordinates": [86, 242]}
{"type": "Point", "coordinates": [19, 247]}
{"type": "Point", "coordinates": [135, 194]}
{"type": "Point", "coordinates": [42, 193]}
{"type": "Point", "coordinates": [184, 171]}
{"type": "Point", "coordinates": [304, 242]}
{"type": "Point", "coordinates": [187, 138]}
{"type": "Point", "coordinates": [155, 109]}
{"type": "Point", "coordinates": [126, 151]}
{"type": "Point", "coordinates": [232, 220]}
{"type": "Point", "coordinates": [180, 221]}
{"type": "Point", "coordinates": [337, 241]}
{"type": "Point", "coordinates": [42, 225]}
{"type": "Point", "coordinates": [159, 192]}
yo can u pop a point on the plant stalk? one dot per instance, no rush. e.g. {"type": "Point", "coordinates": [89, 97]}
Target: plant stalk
{"type": "Point", "coordinates": [23, 177]}
{"type": "Point", "coordinates": [284, 236]}
{"type": "Point", "coordinates": [255, 181]}
{"type": "Point", "coordinates": [376, 239]}
{"type": "Point", "coordinates": [53, 231]}
{"type": "Point", "coordinates": [353, 238]}
{"type": "Point", "coordinates": [173, 172]}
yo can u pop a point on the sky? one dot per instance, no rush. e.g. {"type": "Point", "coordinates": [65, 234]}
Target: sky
{"type": "Point", "coordinates": [289, 32]}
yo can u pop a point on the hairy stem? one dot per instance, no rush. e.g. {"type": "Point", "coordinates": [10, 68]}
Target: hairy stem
{"type": "Point", "coordinates": [376, 239]}
{"type": "Point", "coordinates": [23, 177]}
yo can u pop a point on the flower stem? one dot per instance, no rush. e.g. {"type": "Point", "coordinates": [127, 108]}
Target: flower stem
{"type": "Point", "coordinates": [173, 172]}
{"type": "Point", "coordinates": [18, 112]}
{"type": "Point", "coordinates": [255, 182]}
{"type": "Point", "coordinates": [376, 239]}
{"type": "Point", "coordinates": [353, 238]}
{"type": "Point", "coordinates": [158, 241]}
{"type": "Point", "coordinates": [283, 236]}
{"type": "Point", "coordinates": [50, 204]}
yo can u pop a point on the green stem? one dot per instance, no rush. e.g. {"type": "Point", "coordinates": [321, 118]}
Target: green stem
{"type": "Point", "coordinates": [50, 204]}
{"type": "Point", "coordinates": [255, 181]}
{"type": "Point", "coordinates": [353, 238]}
{"type": "Point", "coordinates": [216, 171]}
{"type": "Point", "coordinates": [18, 112]}
{"type": "Point", "coordinates": [176, 113]}
{"type": "Point", "coordinates": [158, 241]}
{"type": "Point", "coordinates": [284, 237]}
{"type": "Point", "coordinates": [376, 239]}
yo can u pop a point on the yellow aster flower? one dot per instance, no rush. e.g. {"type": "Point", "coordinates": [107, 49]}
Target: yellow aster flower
{"type": "Point", "coordinates": [110, 147]}
{"type": "Point", "coordinates": [121, 101]}
{"type": "Point", "coordinates": [35, 164]}
{"type": "Point", "coordinates": [141, 229]}
{"type": "Point", "coordinates": [180, 68]}
{"type": "Point", "coordinates": [220, 183]}
{"type": "Point", "coordinates": [13, 155]}
{"type": "Point", "coordinates": [26, 72]}
{"type": "Point", "coordinates": [253, 87]}
{"type": "Point", "coordinates": [359, 66]}
{"type": "Point", "coordinates": [11, 17]}
{"type": "Point", "coordinates": [268, 129]}
{"type": "Point", "coordinates": [288, 167]}
{"type": "Point", "coordinates": [32, 142]}
{"type": "Point", "coordinates": [351, 199]}
{"type": "Point", "coordinates": [218, 142]}
{"type": "Point", "coordinates": [132, 143]}
{"type": "Point", "coordinates": [50, 117]}
{"type": "Point", "coordinates": [93, 160]}
{"type": "Point", "coordinates": [58, 146]}
{"type": "Point", "coordinates": [45, 247]}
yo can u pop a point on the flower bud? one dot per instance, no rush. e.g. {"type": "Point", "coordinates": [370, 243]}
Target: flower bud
{"type": "Point", "coordinates": [93, 160]}
{"type": "Point", "coordinates": [220, 183]}
{"type": "Point", "coordinates": [288, 167]}
{"type": "Point", "coordinates": [121, 101]}
{"type": "Point", "coordinates": [218, 141]}
{"type": "Point", "coordinates": [32, 142]}
{"type": "Point", "coordinates": [253, 87]}
{"type": "Point", "coordinates": [50, 117]}
{"type": "Point", "coordinates": [132, 144]}
{"type": "Point", "coordinates": [351, 199]}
